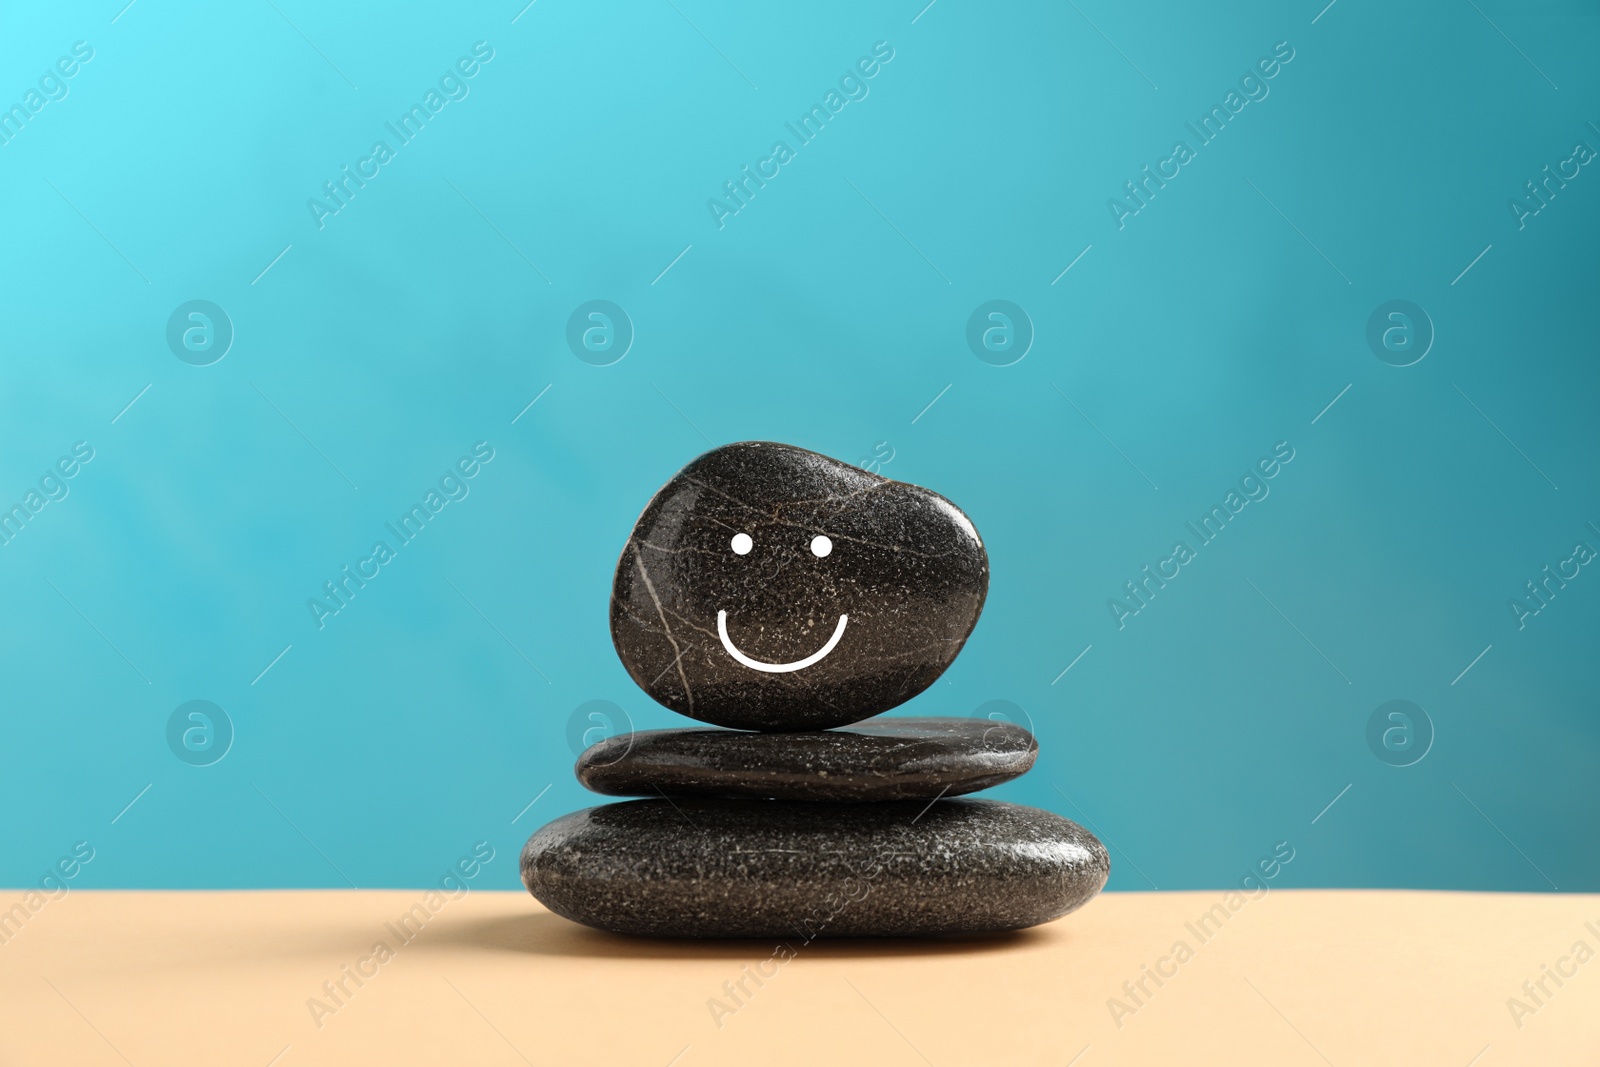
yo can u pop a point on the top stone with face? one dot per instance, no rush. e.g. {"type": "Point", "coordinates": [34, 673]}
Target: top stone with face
{"type": "Point", "coordinates": [770, 588]}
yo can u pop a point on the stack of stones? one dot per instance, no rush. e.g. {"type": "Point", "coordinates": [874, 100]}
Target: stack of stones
{"type": "Point", "coordinates": [781, 595]}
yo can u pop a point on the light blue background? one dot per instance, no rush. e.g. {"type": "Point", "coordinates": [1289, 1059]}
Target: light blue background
{"type": "Point", "coordinates": [828, 314]}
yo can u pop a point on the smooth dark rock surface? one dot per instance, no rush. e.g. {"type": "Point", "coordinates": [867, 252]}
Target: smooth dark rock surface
{"type": "Point", "coordinates": [756, 556]}
{"type": "Point", "coordinates": [795, 870]}
{"type": "Point", "coordinates": [880, 759]}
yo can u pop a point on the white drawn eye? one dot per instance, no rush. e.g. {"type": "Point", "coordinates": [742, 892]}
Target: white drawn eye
{"type": "Point", "coordinates": [821, 546]}
{"type": "Point", "coordinates": [742, 544]}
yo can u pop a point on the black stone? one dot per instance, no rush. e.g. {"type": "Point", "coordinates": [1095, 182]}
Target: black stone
{"type": "Point", "coordinates": [880, 759]}
{"type": "Point", "coordinates": [796, 870]}
{"type": "Point", "coordinates": [907, 574]}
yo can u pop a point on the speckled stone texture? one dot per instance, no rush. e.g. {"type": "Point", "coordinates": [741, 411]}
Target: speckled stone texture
{"type": "Point", "coordinates": [780, 550]}
{"type": "Point", "coordinates": [880, 759]}
{"type": "Point", "coordinates": [784, 594]}
{"type": "Point", "coordinates": [796, 870]}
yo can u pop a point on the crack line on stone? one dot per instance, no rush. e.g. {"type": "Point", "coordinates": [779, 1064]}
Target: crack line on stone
{"type": "Point", "coordinates": [649, 585]}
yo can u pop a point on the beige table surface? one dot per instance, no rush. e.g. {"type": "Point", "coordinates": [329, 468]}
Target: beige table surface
{"type": "Point", "coordinates": [1295, 977]}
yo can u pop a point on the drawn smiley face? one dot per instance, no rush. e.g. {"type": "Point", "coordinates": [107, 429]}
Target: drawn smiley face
{"type": "Point", "coordinates": [743, 544]}
{"type": "Point", "coordinates": [767, 587]}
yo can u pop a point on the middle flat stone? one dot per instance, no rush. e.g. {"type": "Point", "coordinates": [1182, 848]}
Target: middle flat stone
{"type": "Point", "coordinates": [880, 759]}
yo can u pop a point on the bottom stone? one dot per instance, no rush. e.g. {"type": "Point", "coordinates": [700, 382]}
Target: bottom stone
{"type": "Point", "coordinates": [797, 869]}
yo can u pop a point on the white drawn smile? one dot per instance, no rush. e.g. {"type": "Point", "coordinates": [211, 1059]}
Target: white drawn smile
{"type": "Point", "coordinates": [778, 668]}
